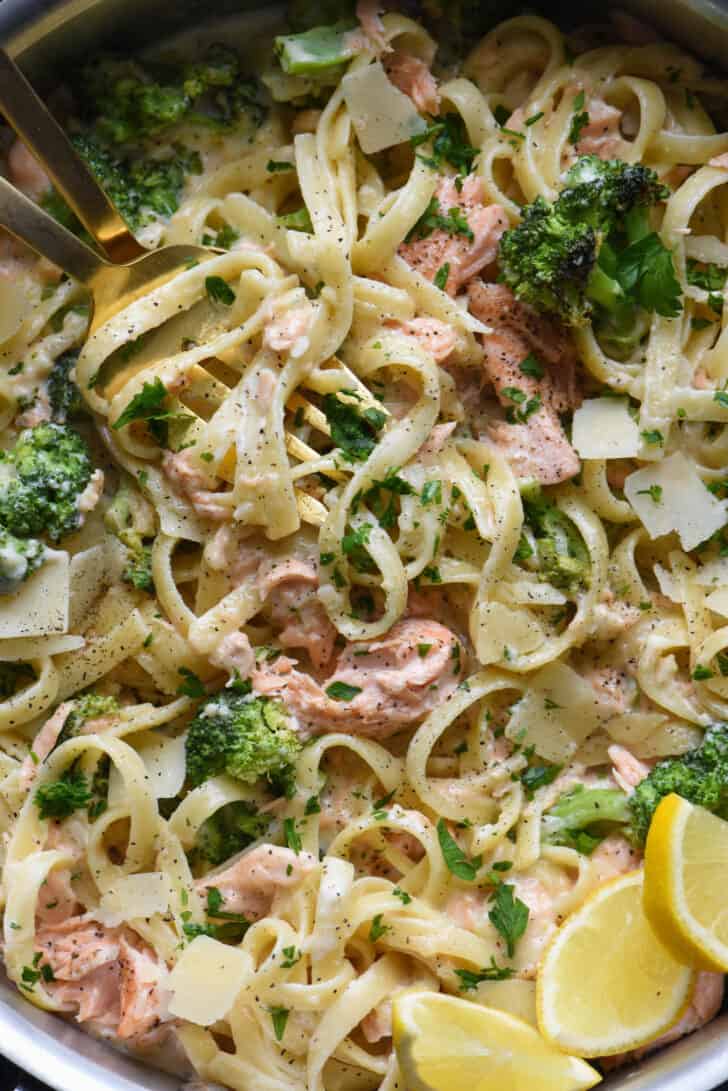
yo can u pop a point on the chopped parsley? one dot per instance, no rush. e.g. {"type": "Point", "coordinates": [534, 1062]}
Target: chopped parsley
{"type": "Point", "coordinates": [454, 857]}
{"type": "Point", "coordinates": [509, 916]}
{"type": "Point", "coordinates": [342, 691]}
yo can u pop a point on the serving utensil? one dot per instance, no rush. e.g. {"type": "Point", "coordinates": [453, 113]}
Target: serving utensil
{"type": "Point", "coordinates": [124, 270]}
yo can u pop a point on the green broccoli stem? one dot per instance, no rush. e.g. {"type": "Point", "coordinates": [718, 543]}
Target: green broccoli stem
{"type": "Point", "coordinates": [603, 289]}
{"type": "Point", "coordinates": [316, 51]}
{"type": "Point", "coordinates": [580, 809]}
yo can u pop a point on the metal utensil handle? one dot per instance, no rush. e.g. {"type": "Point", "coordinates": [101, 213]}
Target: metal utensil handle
{"type": "Point", "coordinates": [36, 126]}
{"type": "Point", "coordinates": [29, 223]}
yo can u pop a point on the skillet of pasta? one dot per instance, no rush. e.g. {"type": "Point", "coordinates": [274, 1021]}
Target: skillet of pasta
{"type": "Point", "coordinates": [364, 588]}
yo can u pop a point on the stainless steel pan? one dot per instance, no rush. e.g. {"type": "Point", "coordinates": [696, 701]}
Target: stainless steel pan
{"type": "Point", "coordinates": [45, 36]}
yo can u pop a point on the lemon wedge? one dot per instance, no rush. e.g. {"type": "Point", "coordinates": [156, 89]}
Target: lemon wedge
{"type": "Point", "coordinates": [606, 984]}
{"type": "Point", "coordinates": [447, 1044]}
{"type": "Point", "coordinates": [686, 866]}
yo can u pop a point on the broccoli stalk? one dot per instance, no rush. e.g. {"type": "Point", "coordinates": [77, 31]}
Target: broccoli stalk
{"type": "Point", "coordinates": [47, 470]}
{"type": "Point", "coordinates": [592, 253]}
{"type": "Point", "coordinates": [700, 776]}
{"type": "Point", "coordinates": [581, 817]}
{"type": "Point", "coordinates": [562, 553]}
{"type": "Point", "coordinates": [317, 51]}
{"type": "Point", "coordinates": [120, 519]}
{"type": "Point", "coordinates": [229, 830]}
{"type": "Point", "coordinates": [63, 394]}
{"type": "Point", "coordinates": [245, 737]}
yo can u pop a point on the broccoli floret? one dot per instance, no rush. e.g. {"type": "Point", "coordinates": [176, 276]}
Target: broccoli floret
{"type": "Point", "coordinates": [120, 519]}
{"type": "Point", "coordinates": [228, 831]}
{"type": "Point", "coordinates": [592, 253]}
{"type": "Point", "coordinates": [15, 676]}
{"type": "Point", "coordinates": [60, 798]}
{"type": "Point", "coordinates": [140, 187]}
{"type": "Point", "coordinates": [19, 558]}
{"type": "Point", "coordinates": [89, 706]}
{"type": "Point", "coordinates": [583, 816]}
{"type": "Point", "coordinates": [562, 553]}
{"type": "Point", "coordinates": [701, 776]}
{"type": "Point", "coordinates": [63, 394]}
{"type": "Point", "coordinates": [47, 470]}
{"type": "Point", "coordinates": [129, 105]}
{"type": "Point", "coordinates": [245, 737]}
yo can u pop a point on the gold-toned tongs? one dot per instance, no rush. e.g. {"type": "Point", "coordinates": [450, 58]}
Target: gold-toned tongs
{"type": "Point", "coordinates": [125, 270]}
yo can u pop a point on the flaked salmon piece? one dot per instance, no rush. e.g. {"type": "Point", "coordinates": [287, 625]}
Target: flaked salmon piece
{"type": "Point", "coordinates": [412, 76]}
{"type": "Point", "coordinates": [627, 770]}
{"type": "Point", "coordinates": [91, 495]}
{"type": "Point", "coordinates": [194, 485]}
{"type": "Point", "coordinates": [537, 446]}
{"type": "Point", "coordinates": [437, 439]}
{"type": "Point", "coordinates": [601, 135]}
{"type": "Point", "coordinates": [234, 653]}
{"type": "Point", "coordinates": [615, 855]}
{"type": "Point", "coordinates": [56, 900]}
{"type": "Point", "coordinates": [293, 604]}
{"type": "Point", "coordinates": [140, 990]}
{"type": "Point", "coordinates": [436, 337]}
{"type": "Point", "coordinates": [37, 413]}
{"type": "Point", "coordinates": [704, 1006]}
{"type": "Point", "coordinates": [369, 14]}
{"type": "Point", "coordinates": [288, 332]}
{"type": "Point", "coordinates": [78, 947]}
{"type": "Point", "coordinates": [26, 172]}
{"type": "Point", "coordinates": [393, 683]}
{"type": "Point", "coordinates": [609, 684]}
{"type": "Point", "coordinates": [107, 973]}
{"type": "Point", "coordinates": [467, 252]}
{"type": "Point", "coordinates": [249, 885]}
{"type": "Point", "coordinates": [377, 1024]}
{"type": "Point", "coordinates": [43, 743]}
{"type": "Point", "coordinates": [94, 998]}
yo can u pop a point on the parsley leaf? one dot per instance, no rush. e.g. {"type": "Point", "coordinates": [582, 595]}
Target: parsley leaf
{"type": "Point", "coordinates": [440, 278]}
{"type": "Point", "coordinates": [342, 691]}
{"type": "Point", "coordinates": [579, 119]}
{"type": "Point", "coordinates": [509, 916]}
{"type": "Point", "coordinates": [275, 166]}
{"type": "Point", "coordinates": [470, 979]}
{"type": "Point", "coordinates": [191, 686]}
{"type": "Point", "coordinates": [291, 835]}
{"type": "Point", "coordinates": [279, 1017]}
{"type": "Point", "coordinates": [449, 143]}
{"type": "Point", "coordinates": [148, 406]}
{"type": "Point", "coordinates": [531, 366]}
{"type": "Point", "coordinates": [645, 270]}
{"type": "Point", "coordinates": [354, 431]}
{"type": "Point", "coordinates": [456, 860]}
{"type": "Point", "coordinates": [219, 291]}
{"type": "Point", "coordinates": [453, 222]}
{"type": "Point", "coordinates": [538, 776]}
{"type": "Point", "coordinates": [377, 929]}
{"type": "Point", "coordinates": [654, 492]}
{"type": "Point", "coordinates": [432, 492]}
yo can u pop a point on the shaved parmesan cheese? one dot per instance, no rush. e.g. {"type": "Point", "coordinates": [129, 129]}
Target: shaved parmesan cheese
{"type": "Point", "coordinates": [164, 761]}
{"type": "Point", "coordinates": [141, 895]}
{"type": "Point", "coordinates": [603, 428]}
{"type": "Point", "coordinates": [16, 303]}
{"type": "Point", "coordinates": [718, 601]}
{"type": "Point", "coordinates": [207, 979]}
{"type": "Point", "coordinates": [89, 575]}
{"type": "Point", "coordinates": [40, 605]}
{"type": "Point", "coordinates": [34, 647]}
{"type": "Point", "coordinates": [670, 496]}
{"type": "Point", "coordinates": [559, 711]}
{"type": "Point", "coordinates": [669, 586]}
{"type": "Point", "coordinates": [381, 114]}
